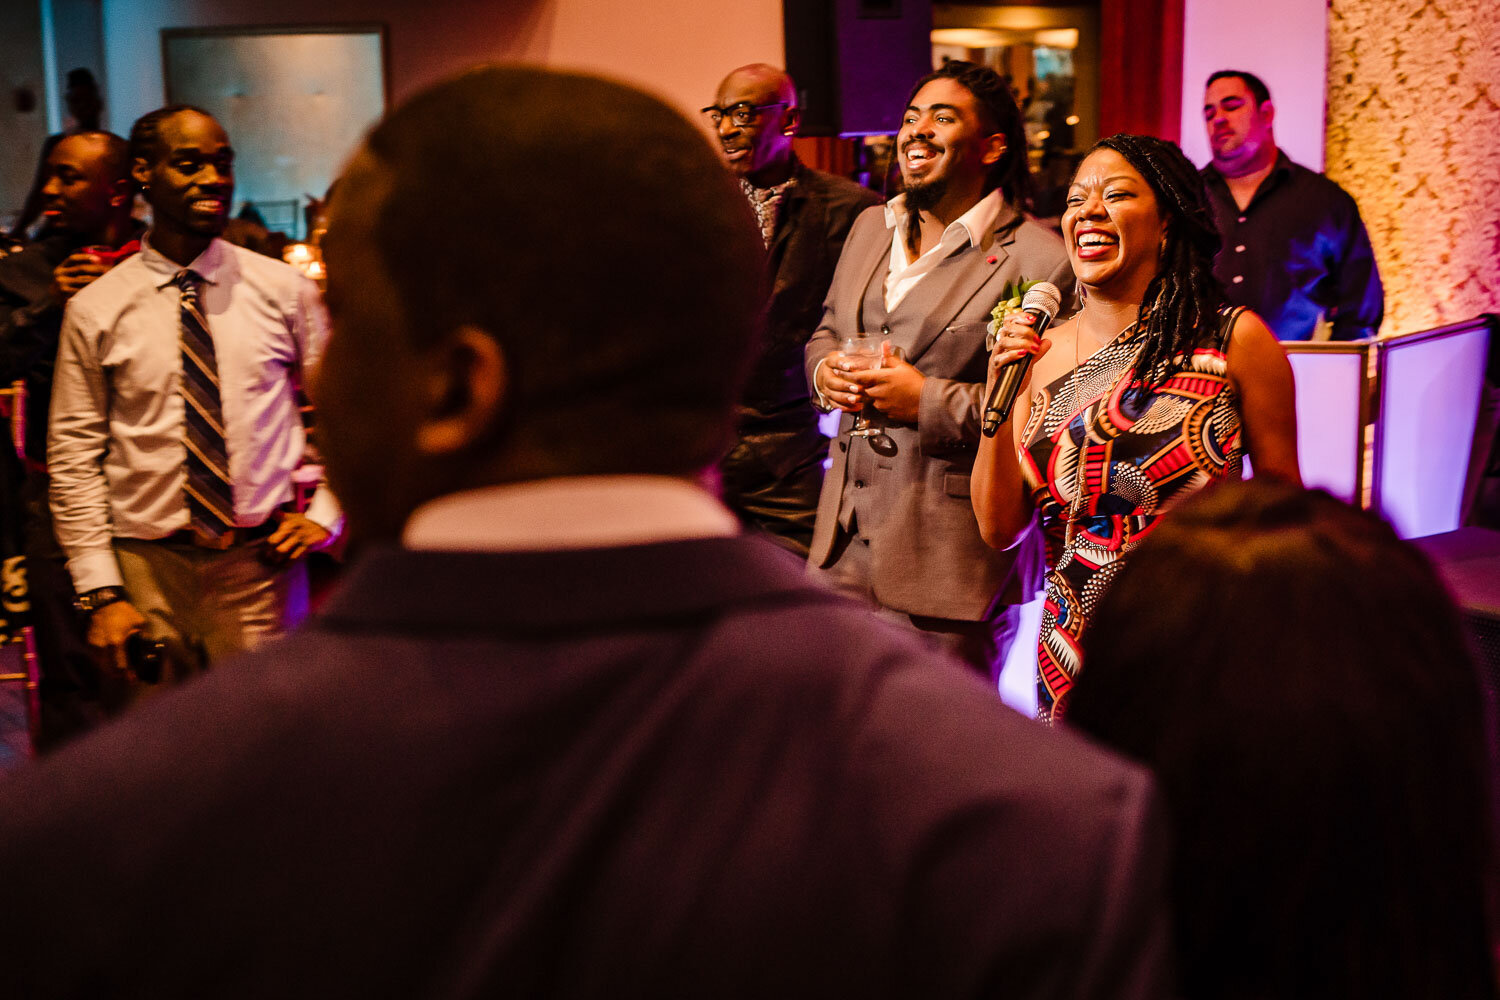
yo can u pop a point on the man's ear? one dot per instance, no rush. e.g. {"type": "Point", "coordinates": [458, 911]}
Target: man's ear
{"type": "Point", "coordinates": [1268, 112]}
{"type": "Point", "coordinates": [994, 148]}
{"type": "Point", "coordinates": [465, 386]}
{"type": "Point", "coordinates": [791, 121]}
{"type": "Point", "coordinates": [140, 171]}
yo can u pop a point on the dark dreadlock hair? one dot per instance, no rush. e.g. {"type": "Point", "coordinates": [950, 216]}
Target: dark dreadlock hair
{"type": "Point", "coordinates": [1010, 173]}
{"type": "Point", "coordinates": [145, 134]}
{"type": "Point", "coordinates": [1180, 310]}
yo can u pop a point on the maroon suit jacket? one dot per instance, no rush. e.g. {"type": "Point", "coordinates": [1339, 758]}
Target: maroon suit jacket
{"type": "Point", "coordinates": [668, 770]}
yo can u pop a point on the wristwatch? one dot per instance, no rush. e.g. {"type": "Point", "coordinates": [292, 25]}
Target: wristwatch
{"type": "Point", "coordinates": [99, 597]}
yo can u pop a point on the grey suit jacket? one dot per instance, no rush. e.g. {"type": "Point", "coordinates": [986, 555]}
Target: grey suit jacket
{"type": "Point", "coordinates": [926, 554]}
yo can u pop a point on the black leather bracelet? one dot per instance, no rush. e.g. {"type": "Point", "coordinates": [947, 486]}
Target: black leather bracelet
{"type": "Point", "coordinates": [99, 597]}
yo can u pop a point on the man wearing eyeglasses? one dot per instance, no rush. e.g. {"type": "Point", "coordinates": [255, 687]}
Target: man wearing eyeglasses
{"type": "Point", "coordinates": [772, 476]}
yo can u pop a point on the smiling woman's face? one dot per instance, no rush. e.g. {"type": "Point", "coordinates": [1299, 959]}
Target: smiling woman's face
{"type": "Point", "coordinates": [1113, 225]}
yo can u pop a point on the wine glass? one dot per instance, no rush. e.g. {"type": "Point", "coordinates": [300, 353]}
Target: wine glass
{"type": "Point", "coordinates": [862, 353]}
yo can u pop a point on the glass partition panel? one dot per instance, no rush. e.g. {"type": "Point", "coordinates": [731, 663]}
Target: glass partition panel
{"type": "Point", "coordinates": [1429, 398]}
{"type": "Point", "coordinates": [1330, 380]}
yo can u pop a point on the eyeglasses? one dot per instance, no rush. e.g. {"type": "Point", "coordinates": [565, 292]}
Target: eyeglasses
{"type": "Point", "coordinates": [742, 114]}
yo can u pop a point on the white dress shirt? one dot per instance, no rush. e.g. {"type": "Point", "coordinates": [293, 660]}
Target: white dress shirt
{"type": "Point", "coordinates": [973, 228]}
{"type": "Point", "coordinates": [570, 512]}
{"type": "Point", "coordinates": [115, 446]}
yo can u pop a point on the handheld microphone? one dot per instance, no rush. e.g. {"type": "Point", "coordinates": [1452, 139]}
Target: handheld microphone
{"type": "Point", "coordinates": [1042, 301]}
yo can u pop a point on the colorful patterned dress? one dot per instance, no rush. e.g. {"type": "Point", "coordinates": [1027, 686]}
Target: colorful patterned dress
{"type": "Point", "coordinates": [1139, 457]}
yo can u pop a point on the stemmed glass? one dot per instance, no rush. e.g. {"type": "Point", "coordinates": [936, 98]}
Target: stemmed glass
{"type": "Point", "coordinates": [862, 353]}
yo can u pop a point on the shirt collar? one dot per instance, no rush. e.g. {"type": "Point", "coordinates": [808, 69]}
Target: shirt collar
{"type": "Point", "coordinates": [1279, 173]}
{"type": "Point", "coordinates": [1279, 169]}
{"type": "Point", "coordinates": [576, 512]}
{"type": "Point", "coordinates": [977, 224]}
{"type": "Point", "coordinates": [207, 265]}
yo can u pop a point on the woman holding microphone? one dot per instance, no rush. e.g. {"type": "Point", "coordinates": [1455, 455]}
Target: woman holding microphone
{"type": "Point", "coordinates": [1152, 391]}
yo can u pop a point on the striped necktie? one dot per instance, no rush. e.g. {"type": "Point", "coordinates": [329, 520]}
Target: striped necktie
{"type": "Point", "coordinates": [210, 498]}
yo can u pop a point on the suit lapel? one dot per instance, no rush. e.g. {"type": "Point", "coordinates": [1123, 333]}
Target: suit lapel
{"type": "Point", "coordinates": [872, 261]}
{"type": "Point", "coordinates": [801, 220]}
{"type": "Point", "coordinates": [791, 211]}
{"type": "Point", "coordinates": [942, 295]}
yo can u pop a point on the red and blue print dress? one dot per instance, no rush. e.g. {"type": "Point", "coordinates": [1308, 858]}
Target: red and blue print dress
{"type": "Point", "coordinates": [1113, 461]}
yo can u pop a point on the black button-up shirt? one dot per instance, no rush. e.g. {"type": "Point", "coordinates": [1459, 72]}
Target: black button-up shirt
{"type": "Point", "coordinates": [1298, 252]}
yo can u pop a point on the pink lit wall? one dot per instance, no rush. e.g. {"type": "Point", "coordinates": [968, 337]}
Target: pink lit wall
{"type": "Point", "coordinates": [678, 48]}
{"type": "Point", "coordinates": [1284, 42]}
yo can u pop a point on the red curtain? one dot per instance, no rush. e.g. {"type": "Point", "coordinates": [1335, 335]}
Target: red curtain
{"type": "Point", "coordinates": [1140, 67]}
{"type": "Point", "coordinates": [1140, 79]}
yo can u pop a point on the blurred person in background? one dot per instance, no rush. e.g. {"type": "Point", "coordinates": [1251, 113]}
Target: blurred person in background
{"type": "Point", "coordinates": [85, 107]}
{"type": "Point", "coordinates": [86, 200]}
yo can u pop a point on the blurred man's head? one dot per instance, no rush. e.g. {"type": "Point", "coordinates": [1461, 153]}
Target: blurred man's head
{"type": "Point", "coordinates": [531, 274]}
{"type": "Point", "coordinates": [1293, 738]}
{"type": "Point", "coordinates": [183, 162]}
{"type": "Point", "coordinates": [82, 98]}
{"type": "Point", "coordinates": [755, 116]}
{"type": "Point", "coordinates": [1239, 116]}
{"type": "Point", "coordinates": [87, 185]}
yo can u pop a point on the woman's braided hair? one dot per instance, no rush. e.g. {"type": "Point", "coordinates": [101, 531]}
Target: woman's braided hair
{"type": "Point", "coordinates": [1181, 306]}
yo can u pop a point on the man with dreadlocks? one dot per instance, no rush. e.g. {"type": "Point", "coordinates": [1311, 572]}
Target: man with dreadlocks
{"type": "Point", "coordinates": [1156, 389]}
{"type": "Point", "coordinates": [921, 277]}
{"type": "Point", "coordinates": [175, 426]}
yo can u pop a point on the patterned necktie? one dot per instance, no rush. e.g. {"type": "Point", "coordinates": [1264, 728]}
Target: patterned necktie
{"type": "Point", "coordinates": [210, 498]}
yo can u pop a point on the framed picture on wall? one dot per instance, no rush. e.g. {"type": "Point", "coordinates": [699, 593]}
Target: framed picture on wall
{"type": "Point", "coordinates": [295, 101]}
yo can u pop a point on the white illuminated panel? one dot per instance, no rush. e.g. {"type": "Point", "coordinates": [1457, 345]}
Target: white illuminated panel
{"type": "Point", "coordinates": [1018, 674]}
{"type": "Point", "coordinates": [828, 423]}
{"type": "Point", "coordinates": [1429, 398]}
{"type": "Point", "coordinates": [1329, 433]}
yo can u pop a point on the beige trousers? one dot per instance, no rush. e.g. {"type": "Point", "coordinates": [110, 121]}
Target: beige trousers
{"type": "Point", "coordinates": [205, 605]}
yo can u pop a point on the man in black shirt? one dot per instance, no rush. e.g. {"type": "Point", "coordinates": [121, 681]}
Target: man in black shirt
{"type": "Point", "coordinates": [1295, 248]}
